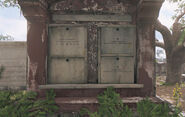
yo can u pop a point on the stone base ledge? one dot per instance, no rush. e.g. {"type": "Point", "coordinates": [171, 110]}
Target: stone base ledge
{"type": "Point", "coordinates": [12, 88]}
{"type": "Point", "coordinates": [90, 86]}
{"type": "Point", "coordinates": [75, 104]}
{"type": "Point", "coordinates": [92, 100]}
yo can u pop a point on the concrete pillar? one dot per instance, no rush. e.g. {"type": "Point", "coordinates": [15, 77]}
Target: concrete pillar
{"type": "Point", "coordinates": [36, 14]}
{"type": "Point", "coordinates": [37, 53]}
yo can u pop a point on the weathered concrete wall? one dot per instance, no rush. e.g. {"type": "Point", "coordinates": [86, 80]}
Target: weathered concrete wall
{"type": "Point", "coordinates": [13, 59]}
{"type": "Point", "coordinates": [160, 69]}
{"type": "Point", "coordinates": [183, 68]}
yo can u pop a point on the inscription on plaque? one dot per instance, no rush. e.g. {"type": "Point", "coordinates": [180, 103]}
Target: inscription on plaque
{"type": "Point", "coordinates": [68, 41]}
{"type": "Point", "coordinates": [67, 55]}
{"type": "Point", "coordinates": [117, 40]}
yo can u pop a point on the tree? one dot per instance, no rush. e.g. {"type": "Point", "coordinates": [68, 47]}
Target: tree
{"type": "Point", "coordinates": [8, 3]}
{"type": "Point", "coordinates": [174, 43]}
{"type": "Point", "coordinates": [159, 53]}
{"type": "Point", "coordinates": [6, 38]}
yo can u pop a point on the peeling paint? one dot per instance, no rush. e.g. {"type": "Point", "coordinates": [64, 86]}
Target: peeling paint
{"type": "Point", "coordinates": [148, 51]}
{"type": "Point", "coordinates": [46, 70]}
{"type": "Point", "coordinates": [95, 7]}
{"type": "Point", "coordinates": [111, 6]}
{"type": "Point", "coordinates": [33, 69]}
{"type": "Point", "coordinates": [28, 26]}
{"type": "Point", "coordinates": [28, 71]}
{"type": "Point", "coordinates": [43, 35]}
{"type": "Point", "coordinates": [150, 69]}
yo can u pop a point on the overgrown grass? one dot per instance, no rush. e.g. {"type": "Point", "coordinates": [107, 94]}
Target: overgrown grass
{"type": "Point", "coordinates": [1, 70]}
{"type": "Point", "coordinates": [26, 104]}
{"type": "Point", "coordinates": [146, 108]}
{"type": "Point", "coordinates": [111, 105]}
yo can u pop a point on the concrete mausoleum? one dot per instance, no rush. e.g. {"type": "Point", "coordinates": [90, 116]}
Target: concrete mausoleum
{"type": "Point", "coordinates": [81, 47]}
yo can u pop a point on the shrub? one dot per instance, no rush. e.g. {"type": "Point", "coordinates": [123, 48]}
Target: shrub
{"type": "Point", "coordinates": [110, 106]}
{"type": "Point", "coordinates": [1, 70]}
{"type": "Point", "coordinates": [177, 95]}
{"type": "Point", "coordinates": [147, 108]}
{"type": "Point", "coordinates": [26, 104]}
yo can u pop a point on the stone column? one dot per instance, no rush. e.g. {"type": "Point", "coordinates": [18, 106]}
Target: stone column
{"type": "Point", "coordinates": [146, 58]}
{"type": "Point", "coordinates": [36, 15]}
{"type": "Point", "coordinates": [37, 53]}
{"type": "Point", "coordinates": [146, 17]}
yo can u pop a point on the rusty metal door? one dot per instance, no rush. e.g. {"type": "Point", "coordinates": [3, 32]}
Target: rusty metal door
{"type": "Point", "coordinates": [67, 55]}
{"type": "Point", "coordinates": [117, 54]}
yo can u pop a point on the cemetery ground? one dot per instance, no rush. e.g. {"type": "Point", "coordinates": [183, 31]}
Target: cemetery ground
{"type": "Point", "coordinates": [165, 91]}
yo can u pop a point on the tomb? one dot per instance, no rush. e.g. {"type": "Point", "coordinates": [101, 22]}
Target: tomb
{"type": "Point", "coordinates": [81, 47]}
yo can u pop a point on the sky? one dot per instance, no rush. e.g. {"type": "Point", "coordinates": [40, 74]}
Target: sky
{"type": "Point", "coordinates": [13, 23]}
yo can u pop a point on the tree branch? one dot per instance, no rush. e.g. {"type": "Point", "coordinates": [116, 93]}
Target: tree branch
{"type": "Point", "coordinates": [177, 27]}
{"type": "Point", "coordinates": [179, 51]}
{"type": "Point", "coordinates": [178, 48]}
{"type": "Point", "coordinates": [159, 44]}
{"type": "Point", "coordinates": [183, 43]}
{"type": "Point", "coordinates": [167, 36]}
{"type": "Point", "coordinates": [176, 32]}
{"type": "Point", "coordinates": [183, 27]}
{"type": "Point", "coordinates": [180, 16]}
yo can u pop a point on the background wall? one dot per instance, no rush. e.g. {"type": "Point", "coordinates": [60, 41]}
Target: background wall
{"type": "Point", "coordinates": [13, 59]}
{"type": "Point", "coordinates": [161, 69]}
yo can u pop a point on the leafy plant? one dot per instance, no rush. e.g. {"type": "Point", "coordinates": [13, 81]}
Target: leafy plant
{"type": "Point", "coordinates": [182, 37]}
{"type": "Point", "coordinates": [26, 104]}
{"type": "Point", "coordinates": [1, 70]}
{"type": "Point", "coordinates": [177, 95]}
{"type": "Point", "coordinates": [147, 108]}
{"type": "Point", "coordinates": [111, 105]}
{"type": "Point", "coordinates": [8, 3]}
{"type": "Point", "coordinates": [6, 38]}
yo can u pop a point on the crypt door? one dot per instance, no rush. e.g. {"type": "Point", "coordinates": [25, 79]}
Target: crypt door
{"type": "Point", "coordinates": [67, 55]}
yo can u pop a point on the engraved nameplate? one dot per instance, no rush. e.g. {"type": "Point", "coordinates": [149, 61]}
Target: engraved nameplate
{"type": "Point", "coordinates": [117, 40]}
{"type": "Point", "coordinates": [68, 41]}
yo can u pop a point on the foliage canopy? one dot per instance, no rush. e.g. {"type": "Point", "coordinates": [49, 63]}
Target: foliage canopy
{"type": "Point", "coordinates": [8, 3]}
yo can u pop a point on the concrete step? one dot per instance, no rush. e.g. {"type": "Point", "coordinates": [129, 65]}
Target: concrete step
{"type": "Point", "coordinates": [76, 103]}
{"type": "Point", "coordinates": [68, 104]}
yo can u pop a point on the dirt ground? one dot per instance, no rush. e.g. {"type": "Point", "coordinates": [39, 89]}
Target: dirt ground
{"type": "Point", "coordinates": [166, 91]}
